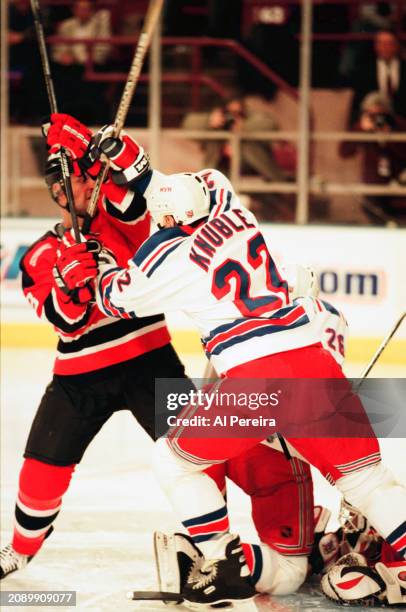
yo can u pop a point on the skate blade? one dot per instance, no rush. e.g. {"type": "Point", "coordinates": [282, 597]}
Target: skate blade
{"type": "Point", "coordinates": [242, 605]}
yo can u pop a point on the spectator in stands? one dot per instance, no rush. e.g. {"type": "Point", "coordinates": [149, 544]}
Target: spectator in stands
{"type": "Point", "coordinates": [385, 72]}
{"type": "Point", "coordinates": [382, 162]}
{"type": "Point", "coordinates": [371, 18]}
{"type": "Point", "coordinates": [70, 59]}
{"type": "Point", "coordinates": [235, 116]}
{"type": "Point", "coordinates": [85, 23]}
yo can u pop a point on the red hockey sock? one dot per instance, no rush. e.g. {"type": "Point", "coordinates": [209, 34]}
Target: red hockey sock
{"type": "Point", "coordinates": [249, 555]}
{"type": "Point", "coordinates": [38, 503]}
{"type": "Point", "coordinates": [255, 560]}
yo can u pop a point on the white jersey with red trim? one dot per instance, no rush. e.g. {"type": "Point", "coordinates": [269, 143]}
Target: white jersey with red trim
{"type": "Point", "coordinates": [223, 277]}
{"type": "Point", "coordinates": [333, 328]}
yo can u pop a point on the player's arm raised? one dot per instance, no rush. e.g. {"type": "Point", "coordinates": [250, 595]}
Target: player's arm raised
{"type": "Point", "coordinates": [122, 189]}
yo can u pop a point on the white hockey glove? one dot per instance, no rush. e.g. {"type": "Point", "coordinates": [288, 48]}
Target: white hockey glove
{"type": "Point", "coordinates": [128, 160]}
{"type": "Point", "coordinates": [302, 281]}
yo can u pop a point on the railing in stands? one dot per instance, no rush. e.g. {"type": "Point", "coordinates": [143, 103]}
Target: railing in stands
{"type": "Point", "coordinates": [196, 78]}
{"type": "Point", "coordinates": [19, 180]}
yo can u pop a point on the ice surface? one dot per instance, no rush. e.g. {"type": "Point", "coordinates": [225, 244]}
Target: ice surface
{"type": "Point", "coordinates": [102, 544]}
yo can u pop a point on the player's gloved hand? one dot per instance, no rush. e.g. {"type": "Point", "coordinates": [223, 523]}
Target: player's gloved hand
{"type": "Point", "coordinates": [128, 160]}
{"type": "Point", "coordinates": [67, 132]}
{"type": "Point", "coordinates": [76, 267]}
{"type": "Point", "coordinates": [302, 281]}
{"type": "Point", "coordinates": [106, 258]}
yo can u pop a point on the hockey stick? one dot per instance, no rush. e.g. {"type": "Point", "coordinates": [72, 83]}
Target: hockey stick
{"type": "Point", "coordinates": [39, 28]}
{"type": "Point", "coordinates": [379, 351]}
{"type": "Point", "coordinates": [151, 19]}
{"type": "Point", "coordinates": [155, 596]}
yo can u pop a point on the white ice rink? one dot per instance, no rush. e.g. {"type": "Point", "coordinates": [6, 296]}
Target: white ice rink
{"type": "Point", "coordinates": [101, 546]}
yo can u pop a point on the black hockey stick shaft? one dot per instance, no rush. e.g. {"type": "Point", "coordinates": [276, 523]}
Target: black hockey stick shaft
{"type": "Point", "coordinates": [379, 351]}
{"type": "Point", "coordinates": [49, 84]}
{"type": "Point", "coordinates": [154, 596]}
{"type": "Point", "coordinates": [151, 19]}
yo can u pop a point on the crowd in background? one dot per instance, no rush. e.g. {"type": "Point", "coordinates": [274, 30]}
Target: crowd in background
{"type": "Point", "coordinates": [374, 68]}
{"type": "Point", "coordinates": [272, 36]}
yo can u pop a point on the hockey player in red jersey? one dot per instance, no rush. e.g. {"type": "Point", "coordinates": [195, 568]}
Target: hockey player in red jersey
{"type": "Point", "coordinates": [102, 364]}
{"type": "Point", "coordinates": [211, 261]}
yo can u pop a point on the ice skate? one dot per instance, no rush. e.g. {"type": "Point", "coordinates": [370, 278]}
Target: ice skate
{"type": "Point", "coordinates": [11, 561]}
{"type": "Point", "coordinates": [176, 555]}
{"type": "Point", "coordinates": [223, 580]}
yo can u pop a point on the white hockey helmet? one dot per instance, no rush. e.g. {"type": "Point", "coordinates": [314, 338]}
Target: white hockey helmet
{"type": "Point", "coordinates": [185, 196]}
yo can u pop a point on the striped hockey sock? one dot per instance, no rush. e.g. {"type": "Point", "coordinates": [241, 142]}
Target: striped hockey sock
{"type": "Point", "coordinates": [397, 539]}
{"type": "Point", "coordinates": [38, 503]}
{"type": "Point", "coordinates": [255, 560]}
{"type": "Point", "coordinates": [208, 526]}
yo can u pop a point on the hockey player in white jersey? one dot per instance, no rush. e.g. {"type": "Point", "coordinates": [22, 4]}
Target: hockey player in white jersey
{"type": "Point", "coordinates": [210, 260]}
{"type": "Point", "coordinates": [219, 271]}
{"type": "Point", "coordinates": [280, 491]}
{"type": "Point", "coordinates": [282, 513]}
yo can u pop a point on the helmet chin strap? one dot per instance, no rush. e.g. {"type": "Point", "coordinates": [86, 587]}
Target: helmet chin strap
{"type": "Point", "coordinates": [80, 215]}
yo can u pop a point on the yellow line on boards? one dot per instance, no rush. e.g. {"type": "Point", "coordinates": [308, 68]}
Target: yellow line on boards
{"type": "Point", "coordinates": [41, 335]}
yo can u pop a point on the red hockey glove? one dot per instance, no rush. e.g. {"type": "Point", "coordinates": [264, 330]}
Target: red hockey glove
{"type": "Point", "coordinates": [128, 159]}
{"type": "Point", "coordinates": [66, 131]}
{"type": "Point", "coordinates": [75, 269]}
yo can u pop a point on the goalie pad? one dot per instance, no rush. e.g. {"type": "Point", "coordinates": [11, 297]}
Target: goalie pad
{"type": "Point", "coordinates": [326, 546]}
{"type": "Point", "coordinates": [358, 534]}
{"type": "Point", "coordinates": [352, 581]}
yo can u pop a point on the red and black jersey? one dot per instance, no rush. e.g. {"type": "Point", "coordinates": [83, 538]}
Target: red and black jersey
{"type": "Point", "coordinates": [88, 339]}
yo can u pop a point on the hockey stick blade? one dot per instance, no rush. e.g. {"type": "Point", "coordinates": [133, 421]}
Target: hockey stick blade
{"type": "Point", "coordinates": [154, 596]}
